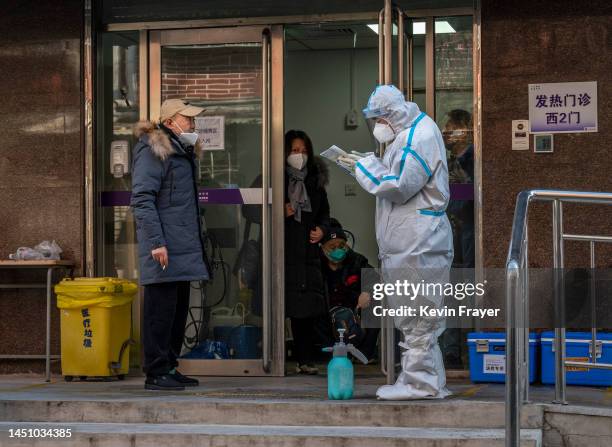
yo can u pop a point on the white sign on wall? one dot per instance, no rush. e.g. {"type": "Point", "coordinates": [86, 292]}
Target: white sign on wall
{"type": "Point", "coordinates": [212, 132]}
{"type": "Point", "coordinates": [564, 107]}
{"type": "Point", "coordinates": [520, 135]}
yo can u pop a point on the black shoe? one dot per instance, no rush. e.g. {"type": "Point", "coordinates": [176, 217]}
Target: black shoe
{"type": "Point", "coordinates": [184, 380]}
{"type": "Point", "coordinates": [164, 382]}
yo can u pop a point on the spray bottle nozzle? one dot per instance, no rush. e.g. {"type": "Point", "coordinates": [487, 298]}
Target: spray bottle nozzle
{"type": "Point", "coordinates": [341, 335]}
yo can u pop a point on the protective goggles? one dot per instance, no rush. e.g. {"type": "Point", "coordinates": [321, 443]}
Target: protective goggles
{"type": "Point", "coordinates": [375, 113]}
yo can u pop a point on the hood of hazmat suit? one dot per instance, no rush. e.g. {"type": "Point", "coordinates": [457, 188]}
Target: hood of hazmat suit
{"type": "Point", "coordinates": [413, 233]}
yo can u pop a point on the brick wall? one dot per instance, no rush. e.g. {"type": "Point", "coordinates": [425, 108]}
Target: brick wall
{"type": "Point", "coordinates": [527, 42]}
{"type": "Point", "coordinates": [211, 73]}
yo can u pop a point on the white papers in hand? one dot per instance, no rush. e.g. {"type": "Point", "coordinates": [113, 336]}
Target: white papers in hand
{"type": "Point", "coordinates": [334, 154]}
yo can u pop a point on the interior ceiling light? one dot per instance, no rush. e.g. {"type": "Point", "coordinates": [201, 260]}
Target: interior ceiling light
{"type": "Point", "coordinates": [418, 28]}
{"type": "Point", "coordinates": [442, 27]}
{"type": "Point", "coordinates": [374, 27]}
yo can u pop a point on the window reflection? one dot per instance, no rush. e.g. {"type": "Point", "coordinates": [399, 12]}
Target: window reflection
{"type": "Point", "coordinates": [118, 110]}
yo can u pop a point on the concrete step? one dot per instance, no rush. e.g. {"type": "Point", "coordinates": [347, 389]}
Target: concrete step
{"type": "Point", "coordinates": [576, 426]}
{"type": "Point", "coordinates": [163, 410]}
{"type": "Point", "coordinates": [199, 435]}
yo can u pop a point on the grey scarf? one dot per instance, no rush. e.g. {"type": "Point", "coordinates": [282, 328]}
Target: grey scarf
{"type": "Point", "coordinates": [296, 190]}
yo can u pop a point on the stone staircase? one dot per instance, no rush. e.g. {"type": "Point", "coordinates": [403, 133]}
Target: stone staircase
{"type": "Point", "coordinates": [270, 422]}
{"type": "Point", "coordinates": [289, 412]}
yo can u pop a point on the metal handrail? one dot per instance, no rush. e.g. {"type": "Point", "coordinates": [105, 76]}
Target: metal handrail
{"type": "Point", "coordinates": [517, 300]}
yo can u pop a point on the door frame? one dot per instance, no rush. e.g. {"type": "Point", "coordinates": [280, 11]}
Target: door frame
{"type": "Point", "coordinates": [88, 100]}
{"type": "Point", "coordinates": [277, 126]}
{"type": "Point", "coordinates": [272, 39]}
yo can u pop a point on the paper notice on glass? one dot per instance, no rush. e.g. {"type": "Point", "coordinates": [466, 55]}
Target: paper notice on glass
{"type": "Point", "coordinates": [212, 132]}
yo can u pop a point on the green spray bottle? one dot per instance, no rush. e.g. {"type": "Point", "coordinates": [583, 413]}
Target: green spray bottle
{"type": "Point", "coordinates": [340, 372]}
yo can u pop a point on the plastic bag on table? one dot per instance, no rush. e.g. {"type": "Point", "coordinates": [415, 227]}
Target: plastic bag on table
{"type": "Point", "coordinates": [26, 254]}
{"type": "Point", "coordinates": [49, 250]}
{"type": "Point", "coordinates": [44, 251]}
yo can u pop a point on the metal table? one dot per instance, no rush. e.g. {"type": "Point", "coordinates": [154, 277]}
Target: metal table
{"type": "Point", "coordinates": [49, 266]}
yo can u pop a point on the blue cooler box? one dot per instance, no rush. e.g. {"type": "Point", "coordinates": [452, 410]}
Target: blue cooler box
{"type": "Point", "coordinates": [487, 352]}
{"type": "Point", "coordinates": [577, 349]}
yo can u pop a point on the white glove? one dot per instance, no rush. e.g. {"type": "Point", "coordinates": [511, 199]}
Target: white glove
{"type": "Point", "coordinates": [361, 154]}
{"type": "Point", "coordinates": [348, 161]}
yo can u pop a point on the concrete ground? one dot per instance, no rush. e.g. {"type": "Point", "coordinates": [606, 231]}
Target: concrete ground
{"type": "Point", "coordinates": [33, 387]}
{"type": "Point", "coordinates": [290, 411]}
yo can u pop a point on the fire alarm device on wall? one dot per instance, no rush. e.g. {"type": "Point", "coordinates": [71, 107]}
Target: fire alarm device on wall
{"type": "Point", "coordinates": [120, 158]}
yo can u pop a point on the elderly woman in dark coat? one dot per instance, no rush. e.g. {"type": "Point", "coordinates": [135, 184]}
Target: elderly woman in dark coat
{"type": "Point", "coordinates": [306, 222]}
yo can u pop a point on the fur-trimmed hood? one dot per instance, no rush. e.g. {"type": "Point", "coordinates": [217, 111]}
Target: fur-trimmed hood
{"type": "Point", "coordinates": [158, 139]}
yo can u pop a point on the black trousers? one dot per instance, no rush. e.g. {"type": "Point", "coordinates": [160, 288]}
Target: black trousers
{"type": "Point", "coordinates": [165, 313]}
{"type": "Point", "coordinates": [303, 330]}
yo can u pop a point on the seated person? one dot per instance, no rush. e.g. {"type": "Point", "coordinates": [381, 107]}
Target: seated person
{"type": "Point", "coordinates": [341, 268]}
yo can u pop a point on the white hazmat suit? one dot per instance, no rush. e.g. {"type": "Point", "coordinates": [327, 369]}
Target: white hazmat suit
{"type": "Point", "coordinates": [412, 230]}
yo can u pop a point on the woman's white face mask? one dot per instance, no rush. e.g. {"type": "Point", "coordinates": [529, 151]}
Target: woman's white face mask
{"type": "Point", "coordinates": [383, 133]}
{"type": "Point", "coordinates": [297, 161]}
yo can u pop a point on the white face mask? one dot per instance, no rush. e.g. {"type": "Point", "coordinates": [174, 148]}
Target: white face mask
{"type": "Point", "coordinates": [383, 133]}
{"type": "Point", "coordinates": [297, 161]}
{"type": "Point", "coordinates": [187, 138]}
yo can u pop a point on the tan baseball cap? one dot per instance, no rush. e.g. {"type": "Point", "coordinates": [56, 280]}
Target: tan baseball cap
{"type": "Point", "coordinates": [171, 107]}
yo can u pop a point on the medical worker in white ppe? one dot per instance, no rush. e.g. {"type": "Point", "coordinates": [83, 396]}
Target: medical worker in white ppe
{"type": "Point", "coordinates": [413, 233]}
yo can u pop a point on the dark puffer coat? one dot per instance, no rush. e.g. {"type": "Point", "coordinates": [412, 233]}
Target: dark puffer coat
{"type": "Point", "coordinates": [165, 205]}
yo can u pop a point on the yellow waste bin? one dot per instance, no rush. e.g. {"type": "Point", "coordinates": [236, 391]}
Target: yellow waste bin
{"type": "Point", "coordinates": [95, 318]}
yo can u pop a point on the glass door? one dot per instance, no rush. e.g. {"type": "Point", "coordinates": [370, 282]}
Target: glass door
{"type": "Point", "coordinates": [431, 60]}
{"type": "Point", "coordinates": [235, 321]}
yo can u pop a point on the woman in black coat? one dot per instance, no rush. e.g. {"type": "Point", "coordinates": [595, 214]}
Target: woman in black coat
{"type": "Point", "coordinates": [306, 222]}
